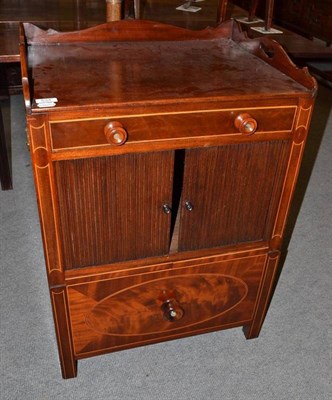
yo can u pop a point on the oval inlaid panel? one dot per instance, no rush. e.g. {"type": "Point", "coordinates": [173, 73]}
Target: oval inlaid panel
{"type": "Point", "coordinates": [137, 310]}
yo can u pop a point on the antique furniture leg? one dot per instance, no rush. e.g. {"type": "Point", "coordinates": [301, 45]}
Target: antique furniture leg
{"type": "Point", "coordinates": [222, 9]}
{"type": "Point", "coordinates": [63, 332]}
{"type": "Point", "coordinates": [113, 10]}
{"type": "Point", "coordinates": [252, 331]}
{"type": "Point", "coordinates": [43, 173]}
{"type": "Point", "coordinates": [267, 28]}
{"type": "Point", "coordinates": [251, 18]}
{"type": "Point", "coordinates": [269, 14]}
{"type": "Point", "coordinates": [5, 175]}
{"type": "Point", "coordinates": [137, 9]}
{"type": "Point", "coordinates": [253, 10]}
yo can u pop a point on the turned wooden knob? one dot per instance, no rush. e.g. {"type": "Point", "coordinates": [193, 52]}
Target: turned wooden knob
{"type": "Point", "coordinates": [115, 133]}
{"type": "Point", "coordinates": [246, 124]}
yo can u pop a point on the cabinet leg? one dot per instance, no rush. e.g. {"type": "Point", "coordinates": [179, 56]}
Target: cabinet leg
{"type": "Point", "coordinates": [63, 332]}
{"type": "Point", "coordinates": [252, 331]}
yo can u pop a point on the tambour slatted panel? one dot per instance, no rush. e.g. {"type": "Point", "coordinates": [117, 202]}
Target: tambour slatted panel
{"type": "Point", "coordinates": [234, 191]}
{"type": "Point", "coordinates": [110, 208]}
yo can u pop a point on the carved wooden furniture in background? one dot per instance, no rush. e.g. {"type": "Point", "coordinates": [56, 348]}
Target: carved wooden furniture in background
{"type": "Point", "coordinates": [253, 10]}
{"type": "Point", "coordinates": [222, 10]}
{"type": "Point", "coordinates": [252, 6]}
{"type": "Point", "coordinates": [311, 18]}
{"type": "Point", "coordinates": [66, 15]}
{"type": "Point", "coordinates": [56, 14]}
{"type": "Point", "coordinates": [163, 183]}
{"type": "Point", "coordinates": [8, 56]}
{"type": "Point", "coordinates": [113, 10]}
{"type": "Point", "coordinates": [269, 7]}
{"type": "Point", "coordinates": [5, 173]}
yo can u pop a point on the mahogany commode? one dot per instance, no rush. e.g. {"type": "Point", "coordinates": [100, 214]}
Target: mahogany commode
{"type": "Point", "coordinates": [165, 161]}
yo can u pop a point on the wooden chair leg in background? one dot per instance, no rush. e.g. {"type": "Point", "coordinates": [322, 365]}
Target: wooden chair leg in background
{"type": "Point", "coordinates": [137, 10]}
{"type": "Point", "coordinates": [269, 14]}
{"type": "Point", "coordinates": [113, 10]}
{"type": "Point", "coordinates": [5, 175]}
{"type": "Point", "coordinates": [267, 28]}
{"type": "Point", "coordinates": [122, 9]}
{"type": "Point", "coordinates": [222, 10]}
{"type": "Point", "coordinates": [253, 10]}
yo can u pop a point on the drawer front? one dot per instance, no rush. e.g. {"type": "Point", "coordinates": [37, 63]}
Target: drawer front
{"type": "Point", "coordinates": [111, 314]}
{"type": "Point", "coordinates": [95, 133]}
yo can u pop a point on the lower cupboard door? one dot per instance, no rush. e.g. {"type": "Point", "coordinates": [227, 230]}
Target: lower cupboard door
{"type": "Point", "coordinates": [112, 314]}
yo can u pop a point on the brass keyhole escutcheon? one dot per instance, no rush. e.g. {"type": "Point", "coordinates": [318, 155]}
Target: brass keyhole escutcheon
{"type": "Point", "coordinates": [170, 307]}
{"type": "Point", "coordinates": [172, 311]}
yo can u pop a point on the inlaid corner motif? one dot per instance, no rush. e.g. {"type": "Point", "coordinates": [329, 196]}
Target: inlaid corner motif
{"type": "Point", "coordinates": [38, 135]}
{"type": "Point", "coordinates": [288, 188]}
{"type": "Point", "coordinates": [302, 124]}
{"type": "Point", "coordinates": [297, 148]}
{"type": "Point", "coordinates": [39, 145]}
{"type": "Point", "coordinates": [41, 157]}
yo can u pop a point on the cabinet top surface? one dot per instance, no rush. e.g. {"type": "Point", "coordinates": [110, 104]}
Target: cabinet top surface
{"type": "Point", "coordinates": [152, 71]}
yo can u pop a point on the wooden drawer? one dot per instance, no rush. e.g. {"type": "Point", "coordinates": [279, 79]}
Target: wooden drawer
{"type": "Point", "coordinates": [91, 133]}
{"type": "Point", "coordinates": [111, 314]}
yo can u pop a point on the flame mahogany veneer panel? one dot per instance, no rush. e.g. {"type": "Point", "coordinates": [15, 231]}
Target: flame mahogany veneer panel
{"type": "Point", "coordinates": [115, 313]}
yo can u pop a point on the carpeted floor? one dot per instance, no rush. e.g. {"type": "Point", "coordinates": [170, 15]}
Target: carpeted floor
{"type": "Point", "coordinates": [291, 360]}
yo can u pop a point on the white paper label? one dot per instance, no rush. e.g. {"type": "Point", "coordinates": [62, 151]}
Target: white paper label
{"type": "Point", "coordinates": [47, 100]}
{"type": "Point", "coordinates": [45, 105]}
{"type": "Point", "coordinates": [261, 29]}
{"type": "Point", "coordinates": [244, 20]}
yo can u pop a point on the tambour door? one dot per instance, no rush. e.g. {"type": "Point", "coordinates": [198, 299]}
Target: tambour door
{"type": "Point", "coordinates": [231, 193]}
{"type": "Point", "coordinates": [111, 208]}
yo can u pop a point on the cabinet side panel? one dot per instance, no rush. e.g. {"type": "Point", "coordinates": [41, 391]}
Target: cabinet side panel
{"type": "Point", "coordinates": [234, 192]}
{"type": "Point", "coordinates": [110, 208]}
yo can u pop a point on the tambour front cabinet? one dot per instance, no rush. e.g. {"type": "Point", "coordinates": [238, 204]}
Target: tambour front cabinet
{"type": "Point", "coordinates": [164, 163]}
